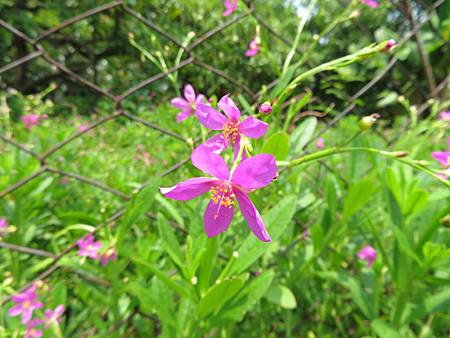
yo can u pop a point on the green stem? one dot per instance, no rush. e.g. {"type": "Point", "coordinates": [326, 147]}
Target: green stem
{"type": "Point", "coordinates": [239, 156]}
{"type": "Point", "coordinates": [333, 151]}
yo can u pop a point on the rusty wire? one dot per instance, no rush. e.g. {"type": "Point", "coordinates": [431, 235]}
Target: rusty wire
{"type": "Point", "coordinates": [117, 99]}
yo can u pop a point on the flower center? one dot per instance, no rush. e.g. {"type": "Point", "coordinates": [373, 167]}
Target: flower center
{"type": "Point", "coordinates": [223, 194]}
{"type": "Point", "coordinates": [26, 304]}
{"type": "Point", "coordinates": [230, 131]}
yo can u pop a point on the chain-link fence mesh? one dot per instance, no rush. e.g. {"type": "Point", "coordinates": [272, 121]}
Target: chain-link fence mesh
{"type": "Point", "coordinates": [191, 58]}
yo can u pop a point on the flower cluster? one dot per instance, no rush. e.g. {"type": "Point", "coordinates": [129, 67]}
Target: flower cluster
{"type": "Point", "coordinates": [25, 304]}
{"type": "Point", "coordinates": [228, 185]}
{"type": "Point", "coordinates": [88, 247]}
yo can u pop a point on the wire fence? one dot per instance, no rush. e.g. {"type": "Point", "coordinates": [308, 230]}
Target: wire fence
{"type": "Point", "coordinates": [118, 112]}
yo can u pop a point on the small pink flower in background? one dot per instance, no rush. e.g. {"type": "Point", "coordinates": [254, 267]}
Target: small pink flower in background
{"type": "Point", "coordinates": [231, 6]}
{"type": "Point", "coordinates": [53, 316]}
{"type": "Point", "coordinates": [253, 47]}
{"type": "Point", "coordinates": [265, 108]}
{"type": "Point", "coordinates": [320, 144]}
{"type": "Point", "coordinates": [31, 331]}
{"type": "Point", "coordinates": [88, 247]}
{"type": "Point", "coordinates": [82, 127]}
{"type": "Point", "coordinates": [371, 3]}
{"type": "Point", "coordinates": [443, 157]}
{"type": "Point", "coordinates": [368, 254]}
{"type": "Point", "coordinates": [226, 187]}
{"type": "Point", "coordinates": [32, 120]}
{"type": "Point", "coordinates": [108, 255]}
{"type": "Point", "coordinates": [25, 303]}
{"type": "Point", "coordinates": [3, 227]}
{"type": "Point", "coordinates": [231, 126]}
{"type": "Point", "coordinates": [188, 103]}
{"type": "Point", "coordinates": [445, 116]}
{"type": "Point", "coordinates": [141, 152]}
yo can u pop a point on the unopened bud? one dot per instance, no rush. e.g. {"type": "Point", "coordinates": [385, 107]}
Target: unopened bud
{"type": "Point", "coordinates": [235, 254]}
{"type": "Point", "coordinates": [194, 280]}
{"type": "Point", "coordinates": [265, 108]}
{"type": "Point", "coordinates": [355, 14]}
{"type": "Point", "coordinates": [400, 153]}
{"type": "Point", "coordinates": [389, 45]}
{"type": "Point", "coordinates": [367, 121]}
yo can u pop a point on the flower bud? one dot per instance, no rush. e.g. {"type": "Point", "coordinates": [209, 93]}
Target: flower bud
{"type": "Point", "coordinates": [367, 121]}
{"type": "Point", "coordinates": [389, 45]}
{"type": "Point", "coordinates": [400, 153]}
{"type": "Point", "coordinates": [265, 108]}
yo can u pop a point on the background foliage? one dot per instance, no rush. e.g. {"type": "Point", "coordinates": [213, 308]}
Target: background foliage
{"type": "Point", "coordinates": [170, 279]}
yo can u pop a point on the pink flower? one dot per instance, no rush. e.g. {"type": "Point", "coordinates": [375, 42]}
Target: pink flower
{"type": "Point", "coordinates": [230, 5]}
{"type": "Point", "coordinates": [82, 127]}
{"type": "Point", "coordinates": [320, 144]}
{"type": "Point", "coordinates": [371, 3]}
{"type": "Point", "coordinates": [445, 116]}
{"type": "Point", "coordinates": [443, 157]}
{"type": "Point", "coordinates": [108, 255]}
{"type": "Point", "coordinates": [32, 120]}
{"type": "Point", "coordinates": [53, 316]}
{"type": "Point", "coordinates": [31, 328]}
{"type": "Point", "coordinates": [188, 103]}
{"type": "Point", "coordinates": [265, 108]}
{"type": "Point", "coordinates": [88, 247]}
{"type": "Point", "coordinates": [25, 303]}
{"type": "Point", "coordinates": [226, 187]}
{"type": "Point", "coordinates": [253, 47]}
{"type": "Point", "coordinates": [3, 227]}
{"type": "Point", "coordinates": [368, 254]}
{"type": "Point", "coordinates": [231, 126]}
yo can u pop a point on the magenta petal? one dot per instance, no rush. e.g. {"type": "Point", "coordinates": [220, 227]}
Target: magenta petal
{"type": "Point", "coordinates": [205, 160]}
{"type": "Point", "coordinates": [210, 117]}
{"type": "Point", "coordinates": [252, 127]}
{"type": "Point", "coordinates": [442, 156]}
{"type": "Point", "coordinates": [252, 216]}
{"type": "Point", "coordinates": [229, 108]}
{"type": "Point", "coordinates": [200, 99]}
{"type": "Point", "coordinates": [189, 93]}
{"type": "Point", "coordinates": [217, 218]}
{"type": "Point", "coordinates": [179, 103]}
{"type": "Point", "coordinates": [188, 189]}
{"type": "Point", "coordinates": [216, 144]}
{"type": "Point", "coordinates": [15, 310]}
{"type": "Point", "coordinates": [183, 115]}
{"type": "Point", "coordinates": [255, 172]}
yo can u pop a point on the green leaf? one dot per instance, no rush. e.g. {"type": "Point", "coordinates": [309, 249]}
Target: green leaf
{"type": "Point", "coordinates": [302, 134]}
{"type": "Point", "coordinates": [219, 293]}
{"type": "Point", "coordinates": [140, 204]}
{"type": "Point", "coordinates": [358, 295]}
{"type": "Point", "coordinates": [282, 296]}
{"type": "Point", "coordinates": [439, 302]}
{"type": "Point", "coordinates": [384, 330]}
{"type": "Point", "coordinates": [405, 245]}
{"type": "Point", "coordinates": [277, 145]}
{"type": "Point", "coordinates": [170, 242]}
{"type": "Point", "coordinates": [359, 194]}
{"type": "Point", "coordinates": [164, 202]}
{"type": "Point", "coordinates": [245, 300]}
{"type": "Point", "coordinates": [178, 287]}
{"type": "Point", "coordinates": [148, 302]}
{"type": "Point", "coordinates": [276, 221]}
